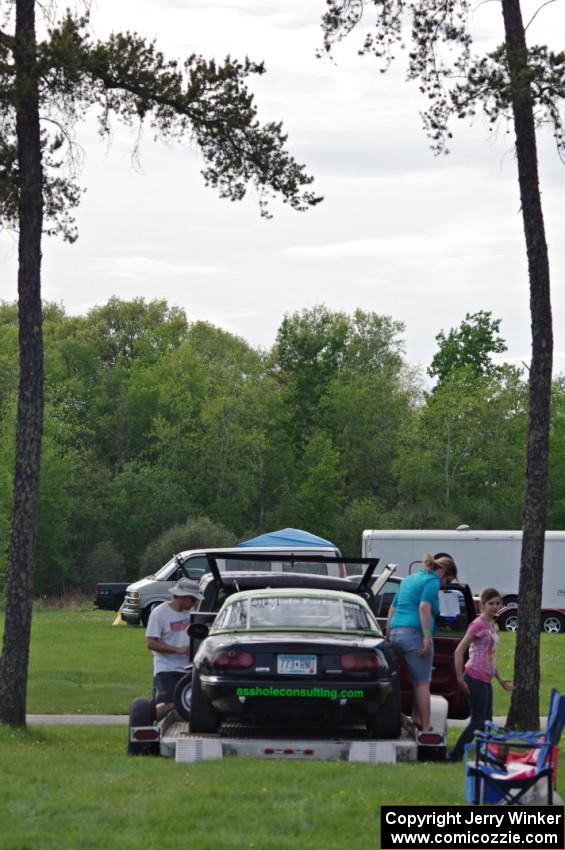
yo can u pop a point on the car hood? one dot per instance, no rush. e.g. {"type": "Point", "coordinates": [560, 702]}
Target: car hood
{"type": "Point", "coordinates": [141, 583]}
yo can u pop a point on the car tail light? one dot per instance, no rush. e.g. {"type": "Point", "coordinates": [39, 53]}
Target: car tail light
{"type": "Point", "coordinates": [360, 663]}
{"type": "Point", "coordinates": [430, 739]}
{"type": "Point", "coordinates": [233, 660]}
{"type": "Point", "coordinates": [146, 734]}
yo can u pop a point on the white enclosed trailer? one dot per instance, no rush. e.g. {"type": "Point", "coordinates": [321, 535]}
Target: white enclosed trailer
{"type": "Point", "coordinates": [483, 558]}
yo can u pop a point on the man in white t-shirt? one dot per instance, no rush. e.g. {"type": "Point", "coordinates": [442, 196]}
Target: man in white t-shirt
{"type": "Point", "coordinates": [167, 638]}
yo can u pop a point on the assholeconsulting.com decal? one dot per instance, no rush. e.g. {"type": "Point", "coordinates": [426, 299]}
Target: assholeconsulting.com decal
{"type": "Point", "coordinates": [467, 827]}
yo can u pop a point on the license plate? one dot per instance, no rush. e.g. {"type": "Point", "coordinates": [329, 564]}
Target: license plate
{"type": "Point", "coordinates": [300, 665]}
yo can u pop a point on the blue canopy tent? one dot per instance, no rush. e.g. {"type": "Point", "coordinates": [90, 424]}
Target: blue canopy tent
{"type": "Point", "coordinates": [287, 537]}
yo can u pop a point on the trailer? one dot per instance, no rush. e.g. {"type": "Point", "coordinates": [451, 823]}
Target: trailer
{"type": "Point", "coordinates": [173, 739]}
{"type": "Point", "coordinates": [483, 558]}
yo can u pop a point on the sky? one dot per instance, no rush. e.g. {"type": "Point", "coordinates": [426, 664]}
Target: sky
{"type": "Point", "coordinates": [401, 232]}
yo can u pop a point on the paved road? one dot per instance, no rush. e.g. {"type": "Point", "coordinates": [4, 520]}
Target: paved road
{"type": "Point", "coordinates": [122, 720]}
{"type": "Point", "coordinates": [77, 719]}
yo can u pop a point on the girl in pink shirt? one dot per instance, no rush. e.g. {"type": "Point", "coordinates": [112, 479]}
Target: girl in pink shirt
{"type": "Point", "coordinates": [480, 640]}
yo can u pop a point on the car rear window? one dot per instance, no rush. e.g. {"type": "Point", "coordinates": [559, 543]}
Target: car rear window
{"type": "Point", "coordinates": [295, 612]}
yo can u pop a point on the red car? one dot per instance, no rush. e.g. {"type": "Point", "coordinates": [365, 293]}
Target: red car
{"type": "Point", "coordinates": [457, 610]}
{"type": "Point", "coordinates": [552, 620]}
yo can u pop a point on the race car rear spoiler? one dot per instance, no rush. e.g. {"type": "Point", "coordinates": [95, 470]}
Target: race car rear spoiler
{"type": "Point", "coordinates": [364, 582]}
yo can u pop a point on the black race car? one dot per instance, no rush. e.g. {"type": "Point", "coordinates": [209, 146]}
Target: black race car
{"type": "Point", "coordinates": [293, 655]}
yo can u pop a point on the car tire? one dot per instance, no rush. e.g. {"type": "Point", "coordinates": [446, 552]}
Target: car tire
{"type": "Point", "coordinates": [142, 713]}
{"type": "Point", "coordinates": [183, 696]}
{"type": "Point", "coordinates": [552, 623]}
{"type": "Point", "coordinates": [387, 722]}
{"type": "Point", "coordinates": [146, 612]}
{"type": "Point", "coordinates": [203, 718]}
{"type": "Point", "coordinates": [508, 622]}
{"type": "Point", "coordinates": [510, 601]}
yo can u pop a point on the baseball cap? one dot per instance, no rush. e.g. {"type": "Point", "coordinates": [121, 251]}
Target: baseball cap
{"type": "Point", "coordinates": [186, 587]}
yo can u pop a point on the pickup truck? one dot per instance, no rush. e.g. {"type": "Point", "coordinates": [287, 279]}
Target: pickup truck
{"type": "Point", "coordinates": [110, 595]}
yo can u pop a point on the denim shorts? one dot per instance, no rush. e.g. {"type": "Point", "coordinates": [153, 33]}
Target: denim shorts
{"type": "Point", "coordinates": [408, 643]}
{"type": "Point", "coordinates": [164, 685]}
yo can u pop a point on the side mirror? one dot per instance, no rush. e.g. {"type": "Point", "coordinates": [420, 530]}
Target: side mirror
{"type": "Point", "coordinates": [198, 631]}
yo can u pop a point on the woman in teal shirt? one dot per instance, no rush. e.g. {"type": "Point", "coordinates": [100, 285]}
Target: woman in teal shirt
{"type": "Point", "coordinates": [411, 625]}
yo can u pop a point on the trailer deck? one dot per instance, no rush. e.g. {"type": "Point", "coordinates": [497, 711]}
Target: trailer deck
{"type": "Point", "coordinates": [352, 744]}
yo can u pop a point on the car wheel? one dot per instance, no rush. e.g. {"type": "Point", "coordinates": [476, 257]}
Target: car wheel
{"type": "Point", "coordinates": [509, 621]}
{"type": "Point", "coordinates": [142, 713]}
{"type": "Point", "coordinates": [552, 623]}
{"type": "Point", "coordinates": [183, 696]}
{"type": "Point", "coordinates": [203, 718]}
{"type": "Point", "coordinates": [387, 722]}
{"type": "Point", "coordinates": [146, 612]}
{"type": "Point", "coordinates": [510, 601]}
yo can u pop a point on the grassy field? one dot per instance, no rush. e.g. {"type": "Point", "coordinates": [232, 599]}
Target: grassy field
{"type": "Point", "coordinates": [74, 789]}
{"type": "Point", "coordinates": [81, 664]}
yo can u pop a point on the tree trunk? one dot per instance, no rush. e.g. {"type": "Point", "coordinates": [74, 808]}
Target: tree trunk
{"type": "Point", "coordinates": [524, 708]}
{"type": "Point", "coordinates": [22, 552]}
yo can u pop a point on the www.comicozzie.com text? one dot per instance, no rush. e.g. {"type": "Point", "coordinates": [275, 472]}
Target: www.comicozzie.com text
{"type": "Point", "coordinates": [467, 827]}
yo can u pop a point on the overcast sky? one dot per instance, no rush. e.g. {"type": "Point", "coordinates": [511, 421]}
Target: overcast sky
{"type": "Point", "coordinates": [422, 239]}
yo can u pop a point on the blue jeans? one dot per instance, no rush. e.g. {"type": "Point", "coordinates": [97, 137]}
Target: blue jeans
{"type": "Point", "coordinates": [480, 698]}
{"type": "Point", "coordinates": [408, 643]}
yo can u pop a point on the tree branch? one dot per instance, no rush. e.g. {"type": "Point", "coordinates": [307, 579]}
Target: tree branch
{"type": "Point", "coordinates": [7, 40]}
{"type": "Point", "coordinates": [536, 13]}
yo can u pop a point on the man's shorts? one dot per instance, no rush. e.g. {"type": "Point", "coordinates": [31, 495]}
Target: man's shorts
{"type": "Point", "coordinates": [408, 642]}
{"type": "Point", "coordinates": [164, 685]}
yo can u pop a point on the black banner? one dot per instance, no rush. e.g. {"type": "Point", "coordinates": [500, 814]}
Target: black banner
{"type": "Point", "coordinates": [467, 827]}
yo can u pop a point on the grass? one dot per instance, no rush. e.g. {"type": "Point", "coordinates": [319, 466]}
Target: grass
{"type": "Point", "coordinates": [552, 663]}
{"type": "Point", "coordinates": [73, 789]}
{"type": "Point", "coordinates": [81, 664]}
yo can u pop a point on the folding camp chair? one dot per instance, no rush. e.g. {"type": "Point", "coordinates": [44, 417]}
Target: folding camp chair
{"type": "Point", "coordinates": [499, 774]}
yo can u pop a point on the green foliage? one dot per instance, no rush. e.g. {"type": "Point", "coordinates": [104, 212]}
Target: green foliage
{"type": "Point", "coordinates": [150, 418]}
{"type": "Point", "coordinates": [316, 345]}
{"type": "Point", "coordinates": [362, 514]}
{"type": "Point", "coordinates": [320, 496]}
{"type": "Point", "coordinates": [470, 346]}
{"type": "Point", "coordinates": [126, 330]}
{"type": "Point", "coordinates": [467, 454]}
{"type": "Point", "coordinates": [556, 500]}
{"type": "Point", "coordinates": [196, 533]}
{"type": "Point", "coordinates": [143, 500]}
{"type": "Point", "coordinates": [103, 563]}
